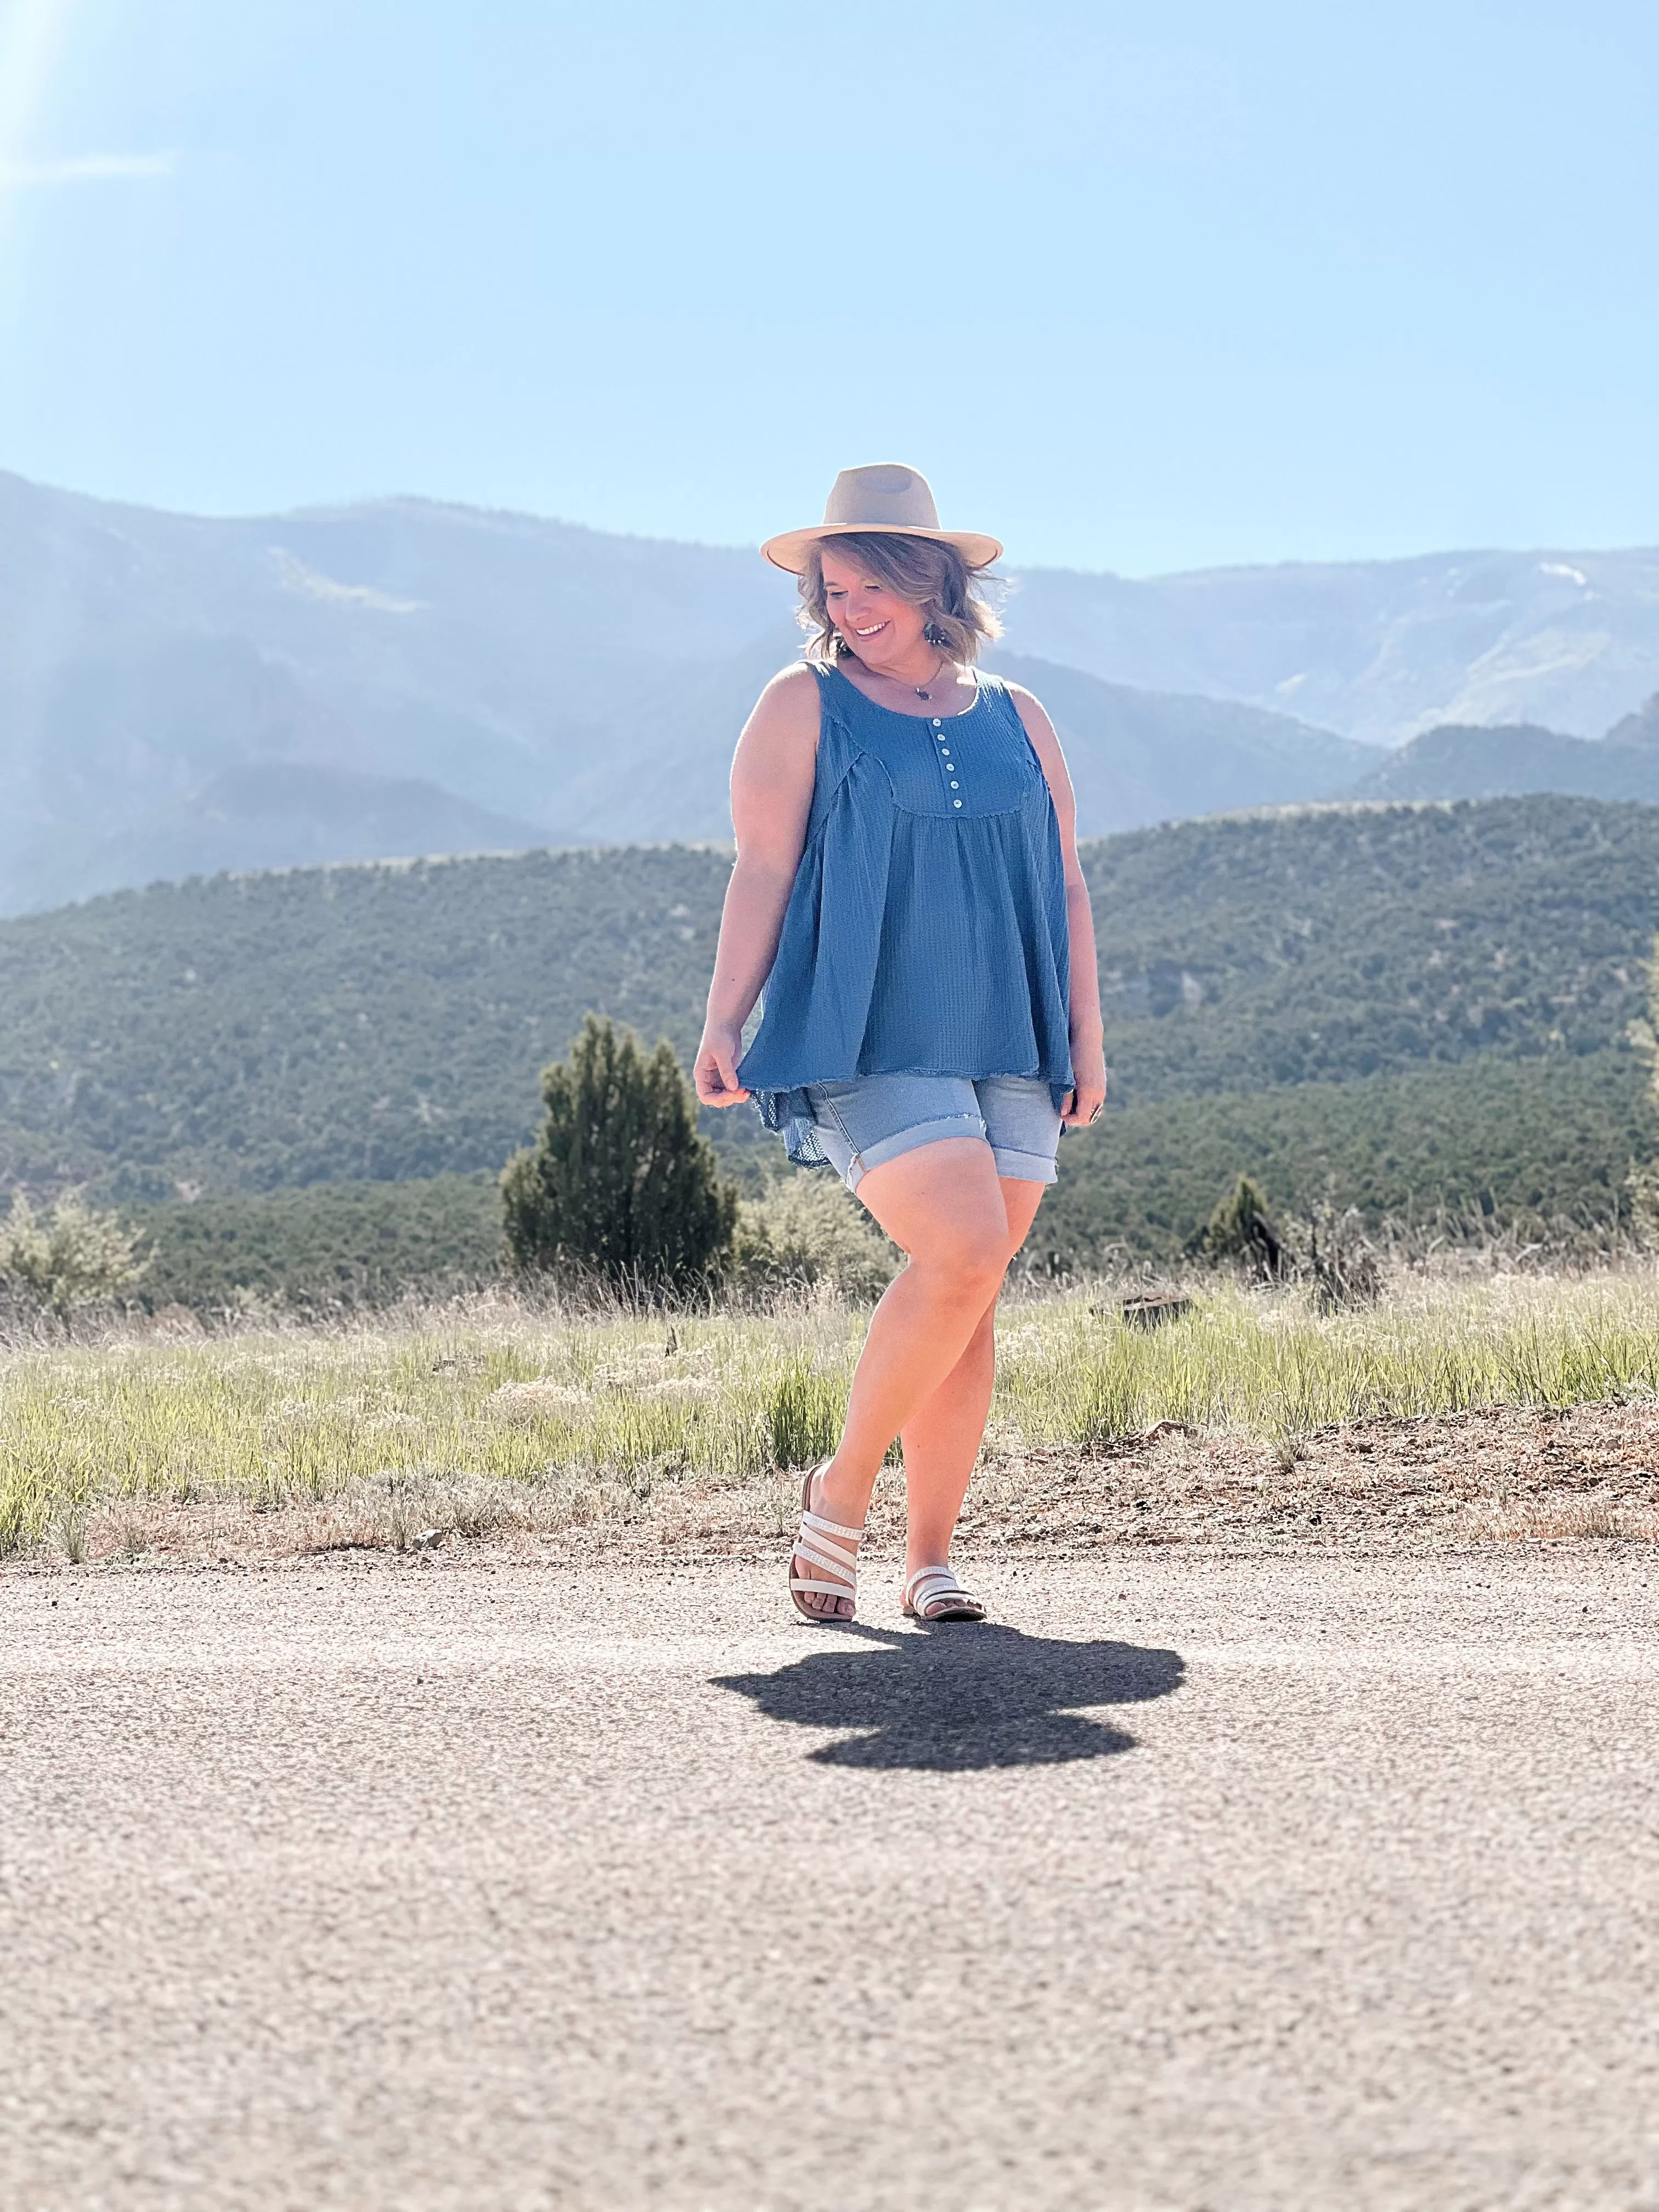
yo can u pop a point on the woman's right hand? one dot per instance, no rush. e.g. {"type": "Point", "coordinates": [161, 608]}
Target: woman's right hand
{"type": "Point", "coordinates": [716, 1070]}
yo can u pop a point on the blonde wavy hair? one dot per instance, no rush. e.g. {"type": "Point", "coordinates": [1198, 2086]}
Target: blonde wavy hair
{"type": "Point", "coordinates": [922, 571]}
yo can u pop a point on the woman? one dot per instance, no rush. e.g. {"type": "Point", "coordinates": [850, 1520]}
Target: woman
{"type": "Point", "coordinates": [907, 889]}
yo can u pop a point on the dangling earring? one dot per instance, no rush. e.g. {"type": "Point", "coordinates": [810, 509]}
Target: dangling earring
{"type": "Point", "coordinates": [934, 634]}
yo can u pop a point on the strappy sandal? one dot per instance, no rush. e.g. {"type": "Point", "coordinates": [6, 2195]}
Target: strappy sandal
{"type": "Point", "coordinates": [831, 1548]}
{"type": "Point", "coordinates": [934, 1593]}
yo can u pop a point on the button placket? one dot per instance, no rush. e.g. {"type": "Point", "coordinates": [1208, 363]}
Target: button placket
{"type": "Point", "coordinates": [950, 765]}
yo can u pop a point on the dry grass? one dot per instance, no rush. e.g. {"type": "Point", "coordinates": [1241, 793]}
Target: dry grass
{"type": "Point", "coordinates": [1434, 1413]}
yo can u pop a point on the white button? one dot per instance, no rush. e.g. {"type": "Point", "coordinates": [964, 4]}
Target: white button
{"type": "Point", "coordinates": [956, 802]}
{"type": "Point", "coordinates": [956, 787]}
{"type": "Point", "coordinates": [936, 721]}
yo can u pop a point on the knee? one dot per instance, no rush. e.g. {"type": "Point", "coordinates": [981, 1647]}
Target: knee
{"type": "Point", "coordinates": [965, 1265]}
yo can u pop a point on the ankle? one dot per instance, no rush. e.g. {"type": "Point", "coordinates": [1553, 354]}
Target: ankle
{"type": "Point", "coordinates": [840, 1496]}
{"type": "Point", "coordinates": [918, 1560]}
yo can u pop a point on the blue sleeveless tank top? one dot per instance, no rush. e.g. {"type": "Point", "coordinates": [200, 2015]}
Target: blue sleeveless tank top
{"type": "Point", "coordinates": [926, 933]}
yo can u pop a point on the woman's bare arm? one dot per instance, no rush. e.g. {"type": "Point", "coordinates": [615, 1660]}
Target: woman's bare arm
{"type": "Point", "coordinates": [1088, 1032]}
{"type": "Point", "coordinates": [772, 778]}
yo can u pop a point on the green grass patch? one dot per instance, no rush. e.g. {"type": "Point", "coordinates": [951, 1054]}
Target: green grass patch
{"type": "Point", "coordinates": [608, 1415]}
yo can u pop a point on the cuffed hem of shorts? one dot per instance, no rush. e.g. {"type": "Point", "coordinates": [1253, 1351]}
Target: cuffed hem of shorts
{"type": "Point", "coordinates": [1025, 1167]}
{"type": "Point", "coordinates": [859, 1164]}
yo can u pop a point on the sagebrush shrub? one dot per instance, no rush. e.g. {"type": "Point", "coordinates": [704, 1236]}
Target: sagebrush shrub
{"type": "Point", "coordinates": [809, 1229]}
{"type": "Point", "coordinates": [72, 1257]}
{"type": "Point", "coordinates": [1240, 1227]}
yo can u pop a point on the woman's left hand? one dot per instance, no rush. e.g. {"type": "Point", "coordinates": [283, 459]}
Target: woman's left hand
{"type": "Point", "coordinates": [1089, 1066]}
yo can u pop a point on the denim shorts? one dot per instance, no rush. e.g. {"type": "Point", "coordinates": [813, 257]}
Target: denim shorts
{"type": "Point", "coordinates": [870, 1119]}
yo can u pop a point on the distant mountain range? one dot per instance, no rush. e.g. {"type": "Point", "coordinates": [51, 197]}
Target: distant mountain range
{"type": "Point", "coordinates": [180, 695]}
{"type": "Point", "coordinates": [1378, 650]}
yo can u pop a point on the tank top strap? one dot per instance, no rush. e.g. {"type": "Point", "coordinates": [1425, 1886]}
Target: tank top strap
{"type": "Point", "coordinates": [1002, 701]}
{"type": "Point", "coordinates": [840, 741]}
{"type": "Point", "coordinates": [995, 687]}
{"type": "Point", "coordinates": [839, 702]}
{"type": "Point", "coordinates": [842, 701]}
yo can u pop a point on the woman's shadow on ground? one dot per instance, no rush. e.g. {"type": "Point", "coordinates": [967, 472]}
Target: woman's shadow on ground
{"type": "Point", "coordinates": [955, 1698]}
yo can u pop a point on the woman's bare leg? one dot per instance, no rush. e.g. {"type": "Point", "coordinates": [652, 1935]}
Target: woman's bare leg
{"type": "Point", "coordinates": [942, 1438]}
{"type": "Point", "coordinates": [944, 1204]}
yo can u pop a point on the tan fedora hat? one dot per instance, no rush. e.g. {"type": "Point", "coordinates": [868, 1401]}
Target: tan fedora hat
{"type": "Point", "coordinates": [888, 497]}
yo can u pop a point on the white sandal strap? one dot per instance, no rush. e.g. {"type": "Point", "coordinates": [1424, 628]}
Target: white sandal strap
{"type": "Point", "coordinates": [830, 1556]}
{"type": "Point", "coordinates": [831, 1548]}
{"type": "Point", "coordinates": [931, 1586]}
{"type": "Point", "coordinates": [853, 1536]}
{"type": "Point", "coordinates": [828, 1546]}
{"type": "Point", "coordinates": [827, 1565]}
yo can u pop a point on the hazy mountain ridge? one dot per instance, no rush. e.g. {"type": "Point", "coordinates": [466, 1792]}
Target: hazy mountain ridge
{"type": "Point", "coordinates": [262, 815]}
{"type": "Point", "coordinates": [576, 686]}
{"type": "Point", "coordinates": [1139, 757]}
{"type": "Point", "coordinates": [1377, 650]}
{"type": "Point", "coordinates": [561, 686]}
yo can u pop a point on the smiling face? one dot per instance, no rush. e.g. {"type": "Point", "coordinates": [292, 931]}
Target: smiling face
{"type": "Point", "coordinates": [875, 622]}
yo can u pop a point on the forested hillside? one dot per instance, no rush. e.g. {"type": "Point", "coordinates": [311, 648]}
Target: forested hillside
{"type": "Point", "coordinates": [1276, 973]}
{"type": "Point", "coordinates": [322, 1024]}
{"type": "Point", "coordinates": [1321, 944]}
{"type": "Point", "coordinates": [1537, 1148]}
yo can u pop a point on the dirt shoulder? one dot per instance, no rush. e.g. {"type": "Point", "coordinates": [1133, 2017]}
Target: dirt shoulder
{"type": "Point", "coordinates": [1493, 1476]}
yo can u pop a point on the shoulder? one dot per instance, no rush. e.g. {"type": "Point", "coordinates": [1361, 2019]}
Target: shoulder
{"type": "Point", "coordinates": [799, 678]}
{"type": "Point", "coordinates": [788, 707]}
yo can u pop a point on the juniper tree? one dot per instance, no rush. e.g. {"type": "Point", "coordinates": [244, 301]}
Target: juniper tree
{"type": "Point", "coordinates": [619, 1180]}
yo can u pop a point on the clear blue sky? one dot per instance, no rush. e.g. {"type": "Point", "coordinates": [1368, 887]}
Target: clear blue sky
{"type": "Point", "coordinates": [1141, 286]}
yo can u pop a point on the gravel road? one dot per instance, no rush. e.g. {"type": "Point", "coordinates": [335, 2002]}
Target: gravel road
{"type": "Point", "coordinates": [1195, 1883]}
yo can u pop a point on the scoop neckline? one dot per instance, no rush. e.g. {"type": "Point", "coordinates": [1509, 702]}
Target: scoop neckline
{"type": "Point", "coordinates": [901, 713]}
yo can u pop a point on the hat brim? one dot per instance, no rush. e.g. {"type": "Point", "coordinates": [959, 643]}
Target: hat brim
{"type": "Point", "coordinates": [789, 551]}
